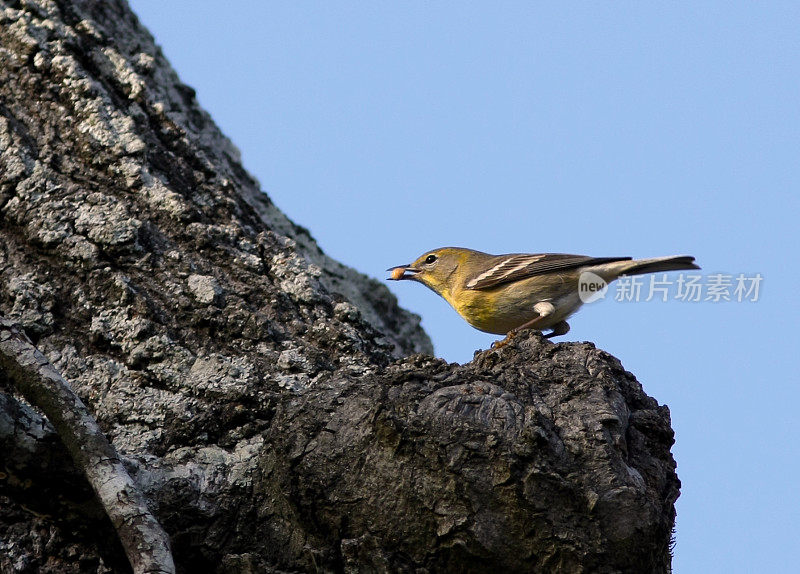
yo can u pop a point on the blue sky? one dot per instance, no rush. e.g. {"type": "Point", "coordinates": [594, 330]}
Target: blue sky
{"type": "Point", "coordinates": [605, 129]}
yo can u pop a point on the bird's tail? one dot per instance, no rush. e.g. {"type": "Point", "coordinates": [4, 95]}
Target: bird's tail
{"type": "Point", "coordinates": [640, 266]}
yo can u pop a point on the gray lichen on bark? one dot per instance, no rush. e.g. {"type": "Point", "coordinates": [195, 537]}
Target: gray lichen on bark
{"type": "Point", "coordinates": [277, 408]}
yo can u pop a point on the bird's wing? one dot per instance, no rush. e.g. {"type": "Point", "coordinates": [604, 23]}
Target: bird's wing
{"type": "Point", "coordinates": [516, 266]}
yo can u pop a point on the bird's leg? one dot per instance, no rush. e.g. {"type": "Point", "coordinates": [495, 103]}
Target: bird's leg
{"type": "Point", "coordinates": [560, 328]}
{"type": "Point", "coordinates": [544, 310]}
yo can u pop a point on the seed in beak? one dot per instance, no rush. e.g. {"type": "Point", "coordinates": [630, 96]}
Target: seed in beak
{"type": "Point", "coordinates": [397, 273]}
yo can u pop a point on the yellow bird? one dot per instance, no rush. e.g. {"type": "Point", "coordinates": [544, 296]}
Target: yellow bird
{"type": "Point", "coordinates": [504, 294]}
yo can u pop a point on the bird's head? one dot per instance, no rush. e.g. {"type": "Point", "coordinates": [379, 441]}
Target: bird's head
{"type": "Point", "coordinates": [437, 269]}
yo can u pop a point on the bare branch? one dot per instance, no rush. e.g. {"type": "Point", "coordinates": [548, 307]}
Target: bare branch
{"type": "Point", "coordinates": [145, 542]}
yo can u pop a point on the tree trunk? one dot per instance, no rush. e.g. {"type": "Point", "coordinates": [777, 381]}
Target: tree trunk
{"type": "Point", "coordinates": [276, 408]}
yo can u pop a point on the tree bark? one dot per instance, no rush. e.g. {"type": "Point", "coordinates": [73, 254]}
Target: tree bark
{"type": "Point", "coordinates": [278, 410]}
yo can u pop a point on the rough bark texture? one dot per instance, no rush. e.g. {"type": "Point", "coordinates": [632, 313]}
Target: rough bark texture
{"type": "Point", "coordinates": [256, 389]}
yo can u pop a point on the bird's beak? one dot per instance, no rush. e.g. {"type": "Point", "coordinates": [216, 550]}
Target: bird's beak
{"type": "Point", "coordinates": [402, 272]}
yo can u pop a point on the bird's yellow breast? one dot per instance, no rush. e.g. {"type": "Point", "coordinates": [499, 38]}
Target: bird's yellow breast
{"type": "Point", "coordinates": [508, 306]}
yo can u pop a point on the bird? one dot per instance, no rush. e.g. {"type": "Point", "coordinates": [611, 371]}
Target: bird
{"type": "Point", "coordinates": [506, 294]}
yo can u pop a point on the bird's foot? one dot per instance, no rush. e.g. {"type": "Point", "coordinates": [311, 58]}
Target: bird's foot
{"type": "Point", "coordinates": [502, 343]}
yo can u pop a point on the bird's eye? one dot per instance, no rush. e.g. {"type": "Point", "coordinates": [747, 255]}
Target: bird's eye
{"type": "Point", "coordinates": [430, 259]}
